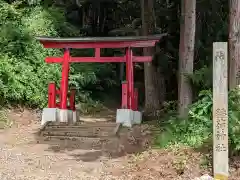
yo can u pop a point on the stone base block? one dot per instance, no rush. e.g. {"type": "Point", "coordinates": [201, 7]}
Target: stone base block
{"type": "Point", "coordinates": [59, 115]}
{"type": "Point", "coordinates": [125, 117]}
{"type": "Point", "coordinates": [137, 117]}
{"type": "Point", "coordinates": [63, 115]}
{"type": "Point", "coordinates": [49, 114]}
{"type": "Point", "coordinates": [75, 116]}
{"type": "Point", "coordinates": [70, 117]}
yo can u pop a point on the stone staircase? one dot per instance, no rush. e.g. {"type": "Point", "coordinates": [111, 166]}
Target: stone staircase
{"type": "Point", "coordinates": [78, 131]}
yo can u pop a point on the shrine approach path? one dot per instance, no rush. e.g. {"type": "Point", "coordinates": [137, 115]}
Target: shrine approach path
{"type": "Point", "coordinates": [22, 157]}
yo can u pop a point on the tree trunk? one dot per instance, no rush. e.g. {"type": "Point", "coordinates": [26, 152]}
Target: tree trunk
{"type": "Point", "coordinates": [186, 54]}
{"type": "Point", "coordinates": [154, 82]}
{"type": "Point", "coordinates": [234, 44]}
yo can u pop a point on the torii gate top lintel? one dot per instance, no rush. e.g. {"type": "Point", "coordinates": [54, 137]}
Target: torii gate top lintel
{"type": "Point", "coordinates": [100, 42]}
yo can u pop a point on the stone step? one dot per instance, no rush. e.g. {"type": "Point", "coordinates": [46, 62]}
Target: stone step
{"type": "Point", "coordinates": [81, 130]}
{"type": "Point", "coordinates": [64, 142]}
{"type": "Point", "coordinates": [77, 141]}
{"type": "Point", "coordinates": [85, 133]}
{"type": "Point", "coordinates": [80, 125]}
{"type": "Point", "coordinates": [62, 138]}
{"type": "Point", "coordinates": [71, 141]}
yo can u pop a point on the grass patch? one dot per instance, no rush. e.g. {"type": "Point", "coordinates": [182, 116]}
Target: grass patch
{"type": "Point", "coordinates": [197, 129]}
{"type": "Point", "coordinates": [206, 162]}
{"type": "Point", "coordinates": [4, 121]}
{"type": "Point", "coordinates": [182, 132]}
{"type": "Point", "coordinates": [90, 107]}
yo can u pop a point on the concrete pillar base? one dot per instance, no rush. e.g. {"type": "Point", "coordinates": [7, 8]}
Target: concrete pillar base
{"type": "Point", "coordinates": [59, 115]}
{"type": "Point", "coordinates": [137, 117]}
{"type": "Point", "coordinates": [49, 115]}
{"type": "Point", "coordinates": [63, 115]}
{"type": "Point", "coordinates": [74, 116]}
{"type": "Point", "coordinates": [70, 117]}
{"type": "Point", "coordinates": [128, 117]}
{"type": "Point", "coordinates": [125, 117]}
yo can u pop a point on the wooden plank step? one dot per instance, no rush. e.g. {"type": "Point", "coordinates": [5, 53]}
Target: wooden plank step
{"type": "Point", "coordinates": [81, 125]}
{"type": "Point", "coordinates": [79, 142]}
{"type": "Point", "coordinates": [76, 139]}
{"type": "Point", "coordinates": [66, 131]}
{"type": "Point", "coordinates": [78, 134]}
{"type": "Point", "coordinates": [97, 123]}
{"type": "Point", "coordinates": [68, 140]}
{"type": "Point", "coordinates": [69, 129]}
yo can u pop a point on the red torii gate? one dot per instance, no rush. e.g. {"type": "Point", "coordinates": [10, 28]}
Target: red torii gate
{"type": "Point", "coordinates": [97, 43]}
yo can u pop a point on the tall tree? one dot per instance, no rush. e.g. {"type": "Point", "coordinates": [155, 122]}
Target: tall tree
{"type": "Point", "coordinates": [234, 44]}
{"type": "Point", "coordinates": [186, 54]}
{"type": "Point", "coordinates": [154, 82]}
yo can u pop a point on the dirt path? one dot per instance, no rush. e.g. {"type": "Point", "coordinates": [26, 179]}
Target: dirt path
{"type": "Point", "coordinates": [23, 158]}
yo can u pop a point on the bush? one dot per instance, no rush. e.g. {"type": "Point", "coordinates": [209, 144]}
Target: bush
{"type": "Point", "coordinates": [197, 129]}
{"type": "Point", "coordinates": [24, 76]}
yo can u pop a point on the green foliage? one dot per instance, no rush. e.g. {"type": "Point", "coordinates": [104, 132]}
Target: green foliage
{"type": "Point", "coordinates": [197, 129]}
{"type": "Point", "coordinates": [4, 121]}
{"type": "Point", "coordinates": [202, 78]}
{"type": "Point", "coordinates": [90, 107]}
{"type": "Point", "coordinates": [24, 75]}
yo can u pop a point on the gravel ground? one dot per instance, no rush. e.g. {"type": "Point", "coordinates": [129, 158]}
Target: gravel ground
{"type": "Point", "coordinates": [23, 158]}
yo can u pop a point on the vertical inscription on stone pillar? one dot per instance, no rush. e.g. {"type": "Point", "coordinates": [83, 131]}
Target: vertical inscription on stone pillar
{"type": "Point", "coordinates": [220, 110]}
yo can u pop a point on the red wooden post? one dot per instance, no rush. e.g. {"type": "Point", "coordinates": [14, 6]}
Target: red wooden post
{"type": "Point", "coordinates": [72, 99]}
{"type": "Point", "coordinates": [52, 95]}
{"type": "Point", "coordinates": [58, 94]}
{"type": "Point", "coordinates": [129, 77]}
{"type": "Point", "coordinates": [135, 99]}
{"type": "Point", "coordinates": [64, 81]}
{"type": "Point", "coordinates": [124, 95]}
{"type": "Point", "coordinates": [132, 79]}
